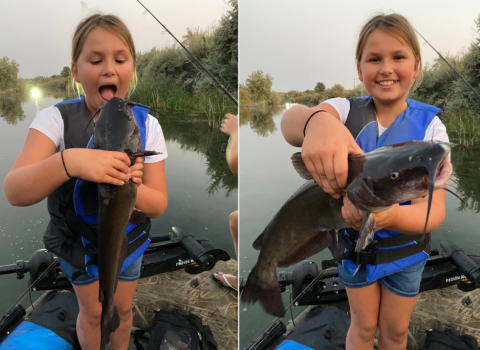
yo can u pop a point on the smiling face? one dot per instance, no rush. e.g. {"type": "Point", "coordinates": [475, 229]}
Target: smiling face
{"type": "Point", "coordinates": [104, 67]}
{"type": "Point", "coordinates": [387, 67]}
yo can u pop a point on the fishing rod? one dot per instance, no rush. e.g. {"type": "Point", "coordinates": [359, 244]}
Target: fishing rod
{"type": "Point", "coordinates": [438, 53]}
{"type": "Point", "coordinates": [204, 69]}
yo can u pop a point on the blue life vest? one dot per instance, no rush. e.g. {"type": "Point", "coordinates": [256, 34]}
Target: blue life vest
{"type": "Point", "coordinates": [411, 125]}
{"type": "Point", "coordinates": [87, 210]}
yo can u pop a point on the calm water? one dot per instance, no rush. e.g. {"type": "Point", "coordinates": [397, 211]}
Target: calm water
{"type": "Point", "coordinates": [202, 191]}
{"type": "Point", "coordinates": [268, 179]}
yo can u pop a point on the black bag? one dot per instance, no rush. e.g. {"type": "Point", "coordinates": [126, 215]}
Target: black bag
{"type": "Point", "coordinates": [449, 340]}
{"type": "Point", "coordinates": [175, 330]}
{"type": "Point", "coordinates": [322, 328]}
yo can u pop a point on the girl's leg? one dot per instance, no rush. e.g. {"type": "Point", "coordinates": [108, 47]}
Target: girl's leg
{"type": "Point", "coordinates": [393, 320]}
{"type": "Point", "coordinates": [88, 320]}
{"type": "Point", "coordinates": [123, 300]}
{"type": "Point", "coordinates": [233, 219]}
{"type": "Point", "coordinates": [364, 307]}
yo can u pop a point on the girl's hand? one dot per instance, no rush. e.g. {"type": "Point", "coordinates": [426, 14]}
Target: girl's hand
{"type": "Point", "coordinates": [97, 165]}
{"type": "Point", "coordinates": [136, 171]}
{"type": "Point", "coordinates": [325, 151]}
{"type": "Point", "coordinates": [353, 216]}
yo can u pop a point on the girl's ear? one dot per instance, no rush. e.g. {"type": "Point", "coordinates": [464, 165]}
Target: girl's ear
{"type": "Point", "coordinates": [74, 70]}
{"type": "Point", "coordinates": [415, 70]}
{"type": "Point", "coordinates": [359, 70]}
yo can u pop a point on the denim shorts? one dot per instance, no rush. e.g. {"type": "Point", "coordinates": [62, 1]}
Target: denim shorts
{"type": "Point", "coordinates": [405, 283]}
{"type": "Point", "coordinates": [130, 274]}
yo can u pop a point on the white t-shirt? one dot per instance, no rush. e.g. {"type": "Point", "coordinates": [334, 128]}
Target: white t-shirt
{"type": "Point", "coordinates": [50, 122]}
{"type": "Point", "coordinates": [435, 131]}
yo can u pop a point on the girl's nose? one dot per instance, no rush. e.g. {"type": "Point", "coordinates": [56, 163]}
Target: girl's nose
{"type": "Point", "coordinates": [386, 67]}
{"type": "Point", "coordinates": [108, 68]}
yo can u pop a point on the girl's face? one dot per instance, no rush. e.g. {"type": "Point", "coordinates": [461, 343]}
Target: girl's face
{"type": "Point", "coordinates": [387, 67]}
{"type": "Point", "coordinates": [104, 68]}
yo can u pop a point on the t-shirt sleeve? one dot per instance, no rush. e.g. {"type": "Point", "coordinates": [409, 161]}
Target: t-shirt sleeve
{"type": "Point", "coordinates": [155, 140]}
{"type": "Point", "coordinates": [341, 105]}
{"type": "Point", "coordinates": [436, 131]}
{"type": "Point", "coordinates": [50, 123]}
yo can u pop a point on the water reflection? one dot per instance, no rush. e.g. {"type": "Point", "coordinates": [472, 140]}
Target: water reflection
{"type": "Point", "coordinates": [11, 107]}
{"type": "Point", "coordinates": [260, 119]}
{"type": "Point", "coordinates": [466, 181]}
{"type": "Point", "coordinates": [195, 135]}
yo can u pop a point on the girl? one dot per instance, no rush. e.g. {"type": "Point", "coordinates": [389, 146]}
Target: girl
{"type": "Point", "coordinates": [388, 62]}
{"type": "Point", "coordinates": [54, 157]}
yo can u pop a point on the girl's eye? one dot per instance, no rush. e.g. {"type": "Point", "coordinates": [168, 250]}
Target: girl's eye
{"type": "Point", "coordinates": [120, 61]}
{"type": "Point", "coordinates": [398, 57]}
{"type": "Point", "coordinates": [374, 59]}
{"type": "Point", "coordinates": [95, 62]}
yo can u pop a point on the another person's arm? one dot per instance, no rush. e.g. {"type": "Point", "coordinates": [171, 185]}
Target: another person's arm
{"type": "Point", "coordinates": [230, 127]}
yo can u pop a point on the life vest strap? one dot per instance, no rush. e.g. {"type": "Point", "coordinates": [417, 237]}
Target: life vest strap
{"type": "Point", "coordinates": [377, 257]}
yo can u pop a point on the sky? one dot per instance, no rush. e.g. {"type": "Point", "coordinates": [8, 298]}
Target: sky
{"type": "Point", "coordinates": [302, 42]}
{"type": "Point", "coordinates": [38, 34]}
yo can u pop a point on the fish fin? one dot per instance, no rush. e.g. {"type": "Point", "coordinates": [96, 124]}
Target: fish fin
{"type": "Point", "coordinates": [138, 217]}
{"type": "Point", "coordinates": [109, 327]}
{"type": "Point", "coordinates": [300, 166]}
{"type": "Point", "coordinates": [358, 267]}
{"type": "Point", "coordinates": [145, 154]}
{"type": "Point", "coordinates": [257, 245]}
{"type": "Point", "coordinates": [257, 289]}
{"type": "Point", "coordinates": [365, 237]}
{"type": "Point", "coordinates": [334, 234]}
{"type": "Point", "coordinates": [107, 191]}
{"type": "Point", "coordinates": [313, 245]}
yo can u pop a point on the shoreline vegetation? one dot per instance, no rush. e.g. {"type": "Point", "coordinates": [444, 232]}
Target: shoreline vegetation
{"type": "Point", "coordinates": [441, 87]}
{"type": "Point", "coordinates": [168, 80]}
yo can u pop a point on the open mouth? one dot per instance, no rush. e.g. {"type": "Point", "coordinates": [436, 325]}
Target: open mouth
{"type": "Point", "coordinates": [387, 83]}
{"type": "Point", "coordinates": [107, 91]}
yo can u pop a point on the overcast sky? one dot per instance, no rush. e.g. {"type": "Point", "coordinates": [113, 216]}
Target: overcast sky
{"type": "Point", "coordinates": [302, 42]}
{"type": "Point", "coordinates": [38, 34]}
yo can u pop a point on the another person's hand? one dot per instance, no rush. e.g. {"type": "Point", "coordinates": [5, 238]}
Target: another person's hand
{"type": "Point", "coordinates": [230, 124]}
{"type": "Point", "coordinates": [325, 151]}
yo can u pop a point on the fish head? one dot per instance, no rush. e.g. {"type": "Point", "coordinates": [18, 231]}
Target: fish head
{"type": "Point", "coordinates": [116, 128]}
{"type": "Point", "coordinates": [399, 173]}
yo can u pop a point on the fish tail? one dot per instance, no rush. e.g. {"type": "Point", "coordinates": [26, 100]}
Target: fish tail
{"type": "Point", "coordinates": [108, 324]}
{"type": "Point", "coordinates": [258, 289]}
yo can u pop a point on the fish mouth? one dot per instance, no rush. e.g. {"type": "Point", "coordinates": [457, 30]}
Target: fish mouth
{"type": "Point", "coordinates": [107, 91]}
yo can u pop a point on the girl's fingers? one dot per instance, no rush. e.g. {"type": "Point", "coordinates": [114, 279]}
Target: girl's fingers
{"type": "Point", "coordinates": [122, 157]}
{"type": "Point", "coordinates": [330, 175]}
{"type": "Point", "coordinates": [340, 165]}
{"type": "Point", "coordinates": [120, 166]}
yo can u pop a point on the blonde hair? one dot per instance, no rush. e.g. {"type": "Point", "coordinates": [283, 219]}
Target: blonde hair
{"type": "Point", "coordinates": [111, 23]}
{"type": "Point", "coordinates": [399, 27]}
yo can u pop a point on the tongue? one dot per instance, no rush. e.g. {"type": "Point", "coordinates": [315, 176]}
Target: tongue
{"type": "Point", "coordinates": [107, 92]}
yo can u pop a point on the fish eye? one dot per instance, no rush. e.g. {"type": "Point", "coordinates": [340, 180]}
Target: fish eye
{"type": "Point", "coordinates": [394, 175]}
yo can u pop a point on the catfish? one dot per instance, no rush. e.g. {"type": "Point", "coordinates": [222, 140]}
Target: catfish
{"type": "Point", "coordinates": [116, 129]}
{"type": "Point", "coordinates": [309, 220]}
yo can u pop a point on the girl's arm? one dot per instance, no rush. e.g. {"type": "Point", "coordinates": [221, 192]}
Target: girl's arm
{"type": "Point", "coordinates": [408, 219]}
{"type": "Point", "coordinates": [325, 147]}
{"type": "Point", "coordinates": [38, 170]}
{"type": "Point", "coordinates": [152, 196]}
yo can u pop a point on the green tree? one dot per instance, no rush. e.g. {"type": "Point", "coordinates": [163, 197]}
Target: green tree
{"type": "Point", "coordinates": [259, 85]}
{"type": "Point", "coordinates": [65, 71]}
{"type": "Point", "coordinates": [320, 87]}
{"type": "Point", "coordinates": [8, 74]}
{"type": "Point", "coordinates": [336, 90]}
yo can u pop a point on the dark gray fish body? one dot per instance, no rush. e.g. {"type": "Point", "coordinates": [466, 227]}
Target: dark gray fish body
{"type": "Point", "coordinates": [115, 130]}
{"type": "Point", "coordinates": [376, 180]}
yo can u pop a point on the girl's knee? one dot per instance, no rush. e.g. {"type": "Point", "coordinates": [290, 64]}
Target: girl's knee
{"type": "Point", "coordinates": [366, 328]}
{"type": "Point", "coordinates": [394, 333]}
{"type": "Point", "coordinates": [92, 315]}
{"type": "Point", "coordinates": [233, 218]}
{"type": "Point", "coordinates": [124, 312]}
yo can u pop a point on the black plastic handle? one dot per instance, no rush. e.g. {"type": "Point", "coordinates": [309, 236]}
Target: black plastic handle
{"type": "Point", "coordinates": [463, 262]}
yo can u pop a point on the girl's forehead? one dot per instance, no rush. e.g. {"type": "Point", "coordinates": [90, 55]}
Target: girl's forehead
{"type": "Point", "coordinates": [100, 40]}
{"type": "Point", "coordinates": [380, 39]}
